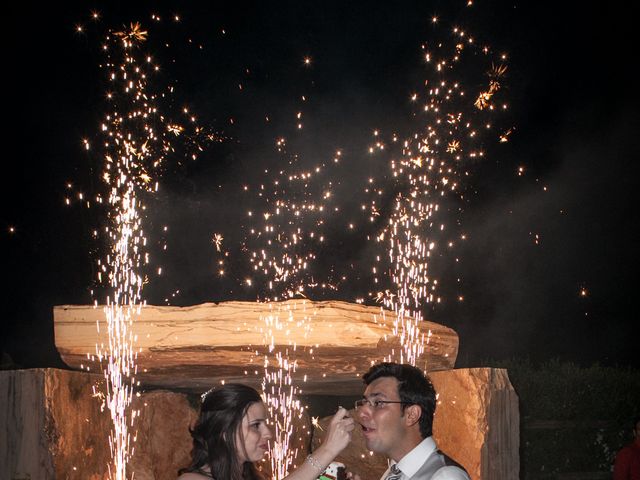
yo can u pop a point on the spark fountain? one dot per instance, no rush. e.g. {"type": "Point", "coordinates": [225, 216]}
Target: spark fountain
{"type": "Point", "coordinates": [136, 141]}
{"type": "Point", "coordinates": [126, 157]}
{"type": "Point", "coordinates": [281, 251]}
{"type": "Point", "coordinates": [452, 122]}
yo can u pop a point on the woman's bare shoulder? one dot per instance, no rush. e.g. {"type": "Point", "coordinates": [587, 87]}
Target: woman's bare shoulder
{"type": "Point", "coordinates": [193, 476]}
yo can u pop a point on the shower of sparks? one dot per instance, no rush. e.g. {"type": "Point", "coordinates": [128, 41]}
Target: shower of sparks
{"type": "Point", "coordinates": [289, 228]}
{"type": "Point", "coordinates": [280, 391]}
{"type": "Point", "coordinates": [292, 223]}
{"type": "Point", "coordinates": [284, 237]}
{"type": "Point", "coordinates": [136, 142]}
{"type": "Point", "coordinates": [431, 165]}
{"type": "Point", "coordinates": [287, 231]}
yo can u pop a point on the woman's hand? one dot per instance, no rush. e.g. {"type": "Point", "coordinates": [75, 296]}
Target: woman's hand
{"type": "Point", "coordinates": [339, 433]}
{"type": "Point", "coordinates": [337, 438]}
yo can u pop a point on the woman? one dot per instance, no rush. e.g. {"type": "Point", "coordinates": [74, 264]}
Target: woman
{"type": "Point", "coordinates": [231, 434]}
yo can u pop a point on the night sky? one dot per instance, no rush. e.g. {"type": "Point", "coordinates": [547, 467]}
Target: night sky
{"type": "Point", "coordinates": [543, 273]}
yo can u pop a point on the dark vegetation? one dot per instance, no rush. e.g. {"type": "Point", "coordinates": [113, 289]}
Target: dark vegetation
{"type": "Point", "coordinates": [573, 419]}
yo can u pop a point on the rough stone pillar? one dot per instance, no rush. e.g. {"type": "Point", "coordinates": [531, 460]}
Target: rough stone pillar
{"type": "Point", "coordinates": [478, 421]}
{"type": "Point", "coordinates": [53, 426]}
{"type": "Point", "coordinates": [46, 426]}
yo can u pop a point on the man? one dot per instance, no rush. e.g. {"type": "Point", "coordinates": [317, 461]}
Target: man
{"type": "Point", "coordinates": [627, 464]}
{"type": "Point", "coordinates": [396, 415]}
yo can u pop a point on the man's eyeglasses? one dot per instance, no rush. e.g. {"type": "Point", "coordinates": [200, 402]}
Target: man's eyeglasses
{"type": "Point", "coordinates": [375, 404]}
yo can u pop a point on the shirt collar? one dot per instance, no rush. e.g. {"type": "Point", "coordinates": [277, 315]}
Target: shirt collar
{"type": "Point", "coordinates": [412, 461]}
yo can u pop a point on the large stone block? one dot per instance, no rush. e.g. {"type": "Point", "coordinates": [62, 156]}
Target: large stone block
{"type": "Point", "coordinates": [476, 423]}
{"type": "Point", "coordinates": [163, 443]}
{"type": "Point", "coordinates": [49, 424]}
{"type": "Point", "coordinates": [199, 346]}
{"type": "Point", "coordinates": [54, 426]}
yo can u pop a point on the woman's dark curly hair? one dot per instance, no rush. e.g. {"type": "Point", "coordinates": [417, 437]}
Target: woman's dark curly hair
{"type": "Point", "coordinates": [214, 434]}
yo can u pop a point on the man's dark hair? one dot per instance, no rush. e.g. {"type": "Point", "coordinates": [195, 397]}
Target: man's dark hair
{"type": "Point", "coordinates": [414, 389]}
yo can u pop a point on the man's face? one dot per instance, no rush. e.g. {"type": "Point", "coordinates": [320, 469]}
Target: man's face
{"type": "Point", "coordinates": [384, 428]}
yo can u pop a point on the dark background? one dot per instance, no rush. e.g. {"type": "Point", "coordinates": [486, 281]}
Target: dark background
{"type": "Point", "coordinates": [573, 106]}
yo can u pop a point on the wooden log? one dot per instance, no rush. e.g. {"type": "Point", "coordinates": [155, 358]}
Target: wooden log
{"type": "Point", "coordinates": [195, 347]}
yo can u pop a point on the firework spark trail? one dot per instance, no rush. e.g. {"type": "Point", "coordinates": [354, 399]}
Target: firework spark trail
{"type": "Point", "coordinates": [120, 311]}
{"type": "Point", "coordinates": [280, 397]}
{"type": "Point", "coordinates": [136, 142]}
{"type": "Point", "coordinates": [127, 153]}
{"type": "Point", "coordinates": [430, 166]}
{"type": "Point", "coordinates": [283, 259]}
{"type": "Point", "coordinates": [278, 385]}
{"type": "Point", "coordinates": [279, 388]}
{"type": "Point", "coordinates": [281, 251]}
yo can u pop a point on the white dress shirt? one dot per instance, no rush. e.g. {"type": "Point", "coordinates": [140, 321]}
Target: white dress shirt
{"type": "Point", "coordinates": [412, 461]}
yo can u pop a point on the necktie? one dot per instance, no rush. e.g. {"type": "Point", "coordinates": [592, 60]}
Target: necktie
{"type": "Point", "coordinates": [394, 473]}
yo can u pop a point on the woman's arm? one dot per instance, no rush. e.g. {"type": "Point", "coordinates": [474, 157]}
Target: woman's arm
{"type": "Point", "coordinates": [338, 437]}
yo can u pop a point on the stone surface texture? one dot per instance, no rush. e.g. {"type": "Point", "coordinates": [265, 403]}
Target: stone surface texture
{"type": "Point", "coordinates": [51, 426]}
{"type": "Point", "coordinates": [163, 444]}
{"type": "Point", "coordinates": [54, 426]}
{"type": "Point", "coordinates": [477, 421]}
{"type": "Point", "coordinates": [198, 346]}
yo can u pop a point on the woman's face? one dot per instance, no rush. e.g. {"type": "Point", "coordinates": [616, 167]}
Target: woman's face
{"type": "Point", "coordinates": [252, 439]}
